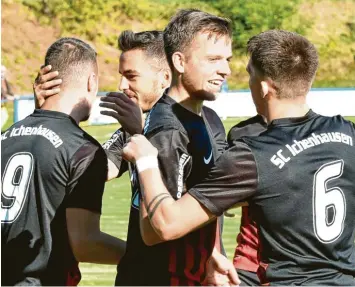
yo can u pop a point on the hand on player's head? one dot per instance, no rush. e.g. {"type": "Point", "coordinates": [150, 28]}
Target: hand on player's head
{"type": "Point", "coordinates": [44, 85]}
{"type": "Point", "coordinates": [123, 109]}
{"type": "Point", "coordinates": [138, 147]}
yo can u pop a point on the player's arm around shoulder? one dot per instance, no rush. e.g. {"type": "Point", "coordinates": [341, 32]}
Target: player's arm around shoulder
{"type": "Point", "coordinates": [175, 165]}
{"type": "Point", "coordinates": [170, 218]}
{"type": "Point", "coordinates": [88, 169]}
{"type": "Point", "coordinates": [167, 216]}
{"type": "Point", "coordinates": [224, 186]}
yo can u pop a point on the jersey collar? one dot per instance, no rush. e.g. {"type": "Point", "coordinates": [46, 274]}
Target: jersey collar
{"type": "Point", "coordinates": [290, 121]}
{"type": "Point", "coordinates": [52, 114]}
{"type": "Point", "coordinates": [170, 101]}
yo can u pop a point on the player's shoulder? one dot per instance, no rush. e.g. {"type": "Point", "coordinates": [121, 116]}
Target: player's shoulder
{"type": "Point", "coordinates": [336, 122]}
{"type": "Point", "coordinates": [338, 119]}
{"type": "Point", "coordinates": [213, 119]}
{"type": "Point", "coordinates": [164, 116]}
{"type": "Point", "coordinates": [253, 126]}
{"type": "Point", "coordinates": [210, 114]}
{"type": "Point", "coordinates": [256, 120]}
{"type": "Point", "coordinates": [54, 124]}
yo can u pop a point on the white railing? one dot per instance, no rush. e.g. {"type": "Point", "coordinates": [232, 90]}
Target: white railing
{"type": "Point", "coordinates": [230, 104]}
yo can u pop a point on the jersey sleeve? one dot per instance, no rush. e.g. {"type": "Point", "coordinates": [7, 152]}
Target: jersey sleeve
{"type": "Point", "coordinates": [113, 149]}
{"type": "Point", "coordinates": [88, 171]}
{"type": "Point", "coordinates": [232, 179]}
{"type": "Point", "coordinates": [174, 160]}
{"type": "Point", "coordinates": [235, 133]}
{"type": "Point", "coordinates": [251, 127]}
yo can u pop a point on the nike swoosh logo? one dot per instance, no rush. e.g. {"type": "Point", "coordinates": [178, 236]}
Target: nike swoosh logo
{"type": "Point", "coordinates": [207, 160]}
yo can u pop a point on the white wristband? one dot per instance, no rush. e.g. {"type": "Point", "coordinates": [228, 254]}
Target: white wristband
{"type": "Point", "coordinates": [146, 162]}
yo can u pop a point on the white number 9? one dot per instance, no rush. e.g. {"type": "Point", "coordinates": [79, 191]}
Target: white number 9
{"type": "Point", "coordinates": [324, 199]}
{"type": "Point", "coordinates": [15, 181]}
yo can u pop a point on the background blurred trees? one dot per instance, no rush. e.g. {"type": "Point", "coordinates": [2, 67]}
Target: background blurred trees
{"type": "Point", "coordinates": [329, 24]}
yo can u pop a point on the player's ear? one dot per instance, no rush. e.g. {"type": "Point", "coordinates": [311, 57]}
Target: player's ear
{"type": "Point", "coordinates": [264, 88]}
{"type": "Point", "coordinates": [92, 82]}
{"type": "Point", "coordinates": [178, 59]}
{"type": "Point", "coordinates": [165, 79]}
{"type": "Point", "coordinates": [269, 87]}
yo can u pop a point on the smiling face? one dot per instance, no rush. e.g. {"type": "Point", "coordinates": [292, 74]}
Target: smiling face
{"type": "Point", "coordinates": [141, 80]}
{"type": "Point", "coordinates": [207, 65]}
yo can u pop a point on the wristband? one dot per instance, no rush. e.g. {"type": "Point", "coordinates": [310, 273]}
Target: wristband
{"type": "Point", "coordinates": [146, 162]}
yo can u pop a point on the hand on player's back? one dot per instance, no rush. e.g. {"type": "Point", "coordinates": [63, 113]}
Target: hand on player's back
{"type": "Point", "coordinates": [45, 85]}
{"type": "Point", "coordinates": [123, 109]}
{"type": "Point", "coordinates": [137, 148]}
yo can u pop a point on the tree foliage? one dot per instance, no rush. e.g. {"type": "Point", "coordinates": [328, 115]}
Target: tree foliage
{"type": "Point", "coordinates": [101, 20]}
{"type": "Point", "coordinates": [252, 17]}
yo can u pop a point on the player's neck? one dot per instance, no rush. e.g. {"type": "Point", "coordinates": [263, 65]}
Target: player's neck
{"type": "Point", "coordinates": [286, 108]}
{"type": "Point", "coordinates": [181, 96]}
{"type": "Point", "coordinates": [65, 103]}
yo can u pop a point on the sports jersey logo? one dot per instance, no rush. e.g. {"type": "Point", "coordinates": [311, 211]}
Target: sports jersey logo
{"type": "Point", "coordinates": [312, 141]}
{"type": "Point", "coordinates": [207, 160]}
{"type": "Point", "coordinates": [50, 135]}
{"type": "Point", "coordinates": [113, 139]}
{"type": "Point", "coordinates": [182, 162]}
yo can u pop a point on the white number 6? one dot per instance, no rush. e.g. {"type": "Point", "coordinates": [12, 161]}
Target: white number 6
{"type": "Point", "coordinates": [15, 181]}
{"type": "Point", "coordinates": [328, 230]}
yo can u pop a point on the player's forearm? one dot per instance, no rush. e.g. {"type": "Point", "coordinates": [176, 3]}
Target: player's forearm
{"type": "Point", "coordinates": [149, 236]}
{"type": "Point", "coordinates": [99, 248]}
{"type": "Point", "coordinates": [162, 209]}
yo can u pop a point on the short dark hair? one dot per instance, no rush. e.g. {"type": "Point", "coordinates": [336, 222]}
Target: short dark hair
{"type": "Point", "coordinates": [287, 58]}
{"type": "Point", "coordinates": [67, 55]}
{"type": "Point", "coordinates": [184, 26]}
{"type": "Point", "coordinates": [150, 42]}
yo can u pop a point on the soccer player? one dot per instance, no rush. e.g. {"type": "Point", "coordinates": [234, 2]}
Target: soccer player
{"type": "Point", "coordinates": [145, 75]}
{"type": "Point", "coordinates": [177, 126]}
{"type": "Point", "coordinates": [297, 175]}
{"type": "Point", "coordinates": [53, 176]}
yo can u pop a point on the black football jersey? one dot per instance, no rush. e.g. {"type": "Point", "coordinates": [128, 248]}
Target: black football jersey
{"type": "Point", "coordinates": [299, 178]}
{"type": "Point", "coordinates": [188, 145]}
{"type": "Point", "coordinates": [48, 164]}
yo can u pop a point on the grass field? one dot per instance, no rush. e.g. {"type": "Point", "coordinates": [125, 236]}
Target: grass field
{"type": "Point", "coordinates": [116, 204]}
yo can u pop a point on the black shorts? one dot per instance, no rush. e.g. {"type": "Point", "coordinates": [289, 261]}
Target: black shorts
{"type": "Point", "coordinates": [248, 278]}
